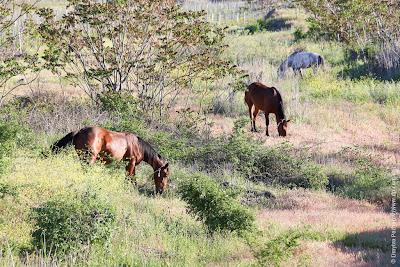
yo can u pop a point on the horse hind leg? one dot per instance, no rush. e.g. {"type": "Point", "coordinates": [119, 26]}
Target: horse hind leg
{"type": "Point", "coordinates": [251, 117]}
{"type": "Point", "coordinates": [315, 68]}
{"type": "Point", "coordinates": [301, 74]}
{"type": "Point", "coordinates": [250, 105]}
{"type": "Point", "coordinates": [255, 114]}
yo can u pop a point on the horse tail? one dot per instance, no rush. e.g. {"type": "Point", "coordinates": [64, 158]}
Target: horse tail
{"type": "Point", "coordinates": [246, 94]}
{"type": "Point", "coordinates": [321, 61]}
{"type": "Point", "coordinates": [247, 98]}
{"type": "Point", "coordinates": [63, 142]}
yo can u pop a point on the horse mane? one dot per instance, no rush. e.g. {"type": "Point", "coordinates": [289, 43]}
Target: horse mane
{"type": "Point", "coordinates": [149, 154]}
{"type": "Point", "coordinates": [281, 110]}
{"type": "Point", "coordinates": [287, 63]}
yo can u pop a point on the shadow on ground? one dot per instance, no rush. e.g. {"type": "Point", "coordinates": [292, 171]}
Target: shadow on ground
{"type": "Point", "coordinates": [374, 247]}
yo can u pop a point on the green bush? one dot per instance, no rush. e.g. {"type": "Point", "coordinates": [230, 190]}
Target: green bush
{"type": "Point", "coordinates": [280, 248]}
{"type": "Point", "coordinates": [240, 150]}
{"type": "Point", "coordinates": [71, 223]}
{"type": "Point", "coordinates": [274, 24]}
{"type": "Point", "coordinates": [214, 205]}
{"type": "Point", "coordinates": [253, 28]}
{"type": "Point", "coordinates": [284, 166]}
{"type": "Point", "coordinates": [123, 103]}
{"type": "Point", "coordinates": [370, 181]}
{"type": "Point", "coordinates": [12, 134]}
{"type": "Point", "coordinates": [299, 34]}
{"type": "Point", "coordinates": [276, 249]}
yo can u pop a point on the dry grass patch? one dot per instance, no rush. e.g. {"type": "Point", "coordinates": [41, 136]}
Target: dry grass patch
{"type": "Point", "coordinates": [321, 254]}
{"type": "Point", "coordinates": [324, 211]}
{"type": "Point", "coordinates": [354, 233]}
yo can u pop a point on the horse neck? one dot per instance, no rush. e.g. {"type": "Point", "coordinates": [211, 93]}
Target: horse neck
{"type": "Point", "coordinates": [285, 64]}
{"type": "Point", "coordinates": [156, 163]}
{"type": "Point", "coordinates": [150, 155]}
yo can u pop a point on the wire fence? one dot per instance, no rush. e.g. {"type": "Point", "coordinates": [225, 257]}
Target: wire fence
{"type": "Point", "coordinates": [230, 12]}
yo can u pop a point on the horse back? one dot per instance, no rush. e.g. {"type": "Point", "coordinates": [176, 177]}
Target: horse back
{"type": "Point", "coordinates": [263, 97]}
{"type": "Point", "coordinates": [101, 141]}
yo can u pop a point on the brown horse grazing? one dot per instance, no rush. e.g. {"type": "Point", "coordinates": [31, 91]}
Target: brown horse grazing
{"type": "Point", "coordinates": [106, 145]}
{"type": "Point", "coordinates": [269, 100]}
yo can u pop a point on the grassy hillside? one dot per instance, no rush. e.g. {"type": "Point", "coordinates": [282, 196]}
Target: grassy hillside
{"type": "Point", "coordinates": [319, 197]}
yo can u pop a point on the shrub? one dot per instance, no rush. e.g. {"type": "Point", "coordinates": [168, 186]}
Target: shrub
{"type": "Point", "coordinates": [277, 249]}
{"type": "Point", "coordinates": [70, 224]}
{"type": "Point", "coordinates": [299, 34]}
{"type": "Point", "coordinates": [370, 181]}
{"type": "Point", "coordinates": [214, 205]}
{"type": "Point", "coordinates": [279, 166]}
{"type": "Point", "coordinates": [253, 28]}
{"type": "Point", "coordinates": [274, 24]}
{"type": "Point", "coordinates": [240, 150]}
{"type": "Point", "coordinates": [122, 103]}
{"type": "Point", "coordinates": [12, 134]}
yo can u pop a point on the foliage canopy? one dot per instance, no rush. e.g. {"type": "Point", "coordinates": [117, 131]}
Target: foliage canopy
{"type": "Point", "coordinates": [150, 47]}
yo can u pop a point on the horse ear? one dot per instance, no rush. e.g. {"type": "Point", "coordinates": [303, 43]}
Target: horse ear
{"type": "Point", "coordinates": [165, 166]}
{"type": "Point", "coordinates": [287, 120]}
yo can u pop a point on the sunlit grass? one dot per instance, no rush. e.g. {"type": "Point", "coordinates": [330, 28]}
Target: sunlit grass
{"type": "Point", "coordinates": [150, 229]}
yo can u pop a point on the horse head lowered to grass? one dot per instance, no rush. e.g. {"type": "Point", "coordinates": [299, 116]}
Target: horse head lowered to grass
{"type": "Point", "coordinates": [269, 100]}
{"type": "Point", "coordinates": [298, 61]}
{"type": "Point", "coordinates": [99, 143]}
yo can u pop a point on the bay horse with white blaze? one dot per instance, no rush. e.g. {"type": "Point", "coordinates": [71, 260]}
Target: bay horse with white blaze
{"type": "Point", "coordinates": [269, 100]}
{"type": "Point", "coordinates": [108, 146]}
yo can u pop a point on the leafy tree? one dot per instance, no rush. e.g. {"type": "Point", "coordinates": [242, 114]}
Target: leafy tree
{"type": "Point", "coordinates": [359, 23]}
{"type": "Point", "coordinates": [18, 45]}
{"type": "Point", "coordinates": [150, 47]}
{"type": "Point", "coordinates": [356, 21]}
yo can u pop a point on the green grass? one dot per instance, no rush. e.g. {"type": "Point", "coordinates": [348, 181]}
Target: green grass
{"type": "Point", "coordinates": [152, 230]}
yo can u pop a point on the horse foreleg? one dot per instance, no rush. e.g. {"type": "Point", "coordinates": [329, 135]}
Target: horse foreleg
{"type": "Point", "coordinates": [130, 168]}
{"type": "Point", "coordinates": [255, 114]}
{"type": "Point", "coordinates": [301, 74]}
{"type": "Point", "coordinates": [266, 123]}
{"type": "Point", "coordinates": [92, 156]}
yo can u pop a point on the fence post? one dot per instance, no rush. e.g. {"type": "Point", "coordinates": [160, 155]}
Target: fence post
{"type": "Point", "coordinates": [20, 39]}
